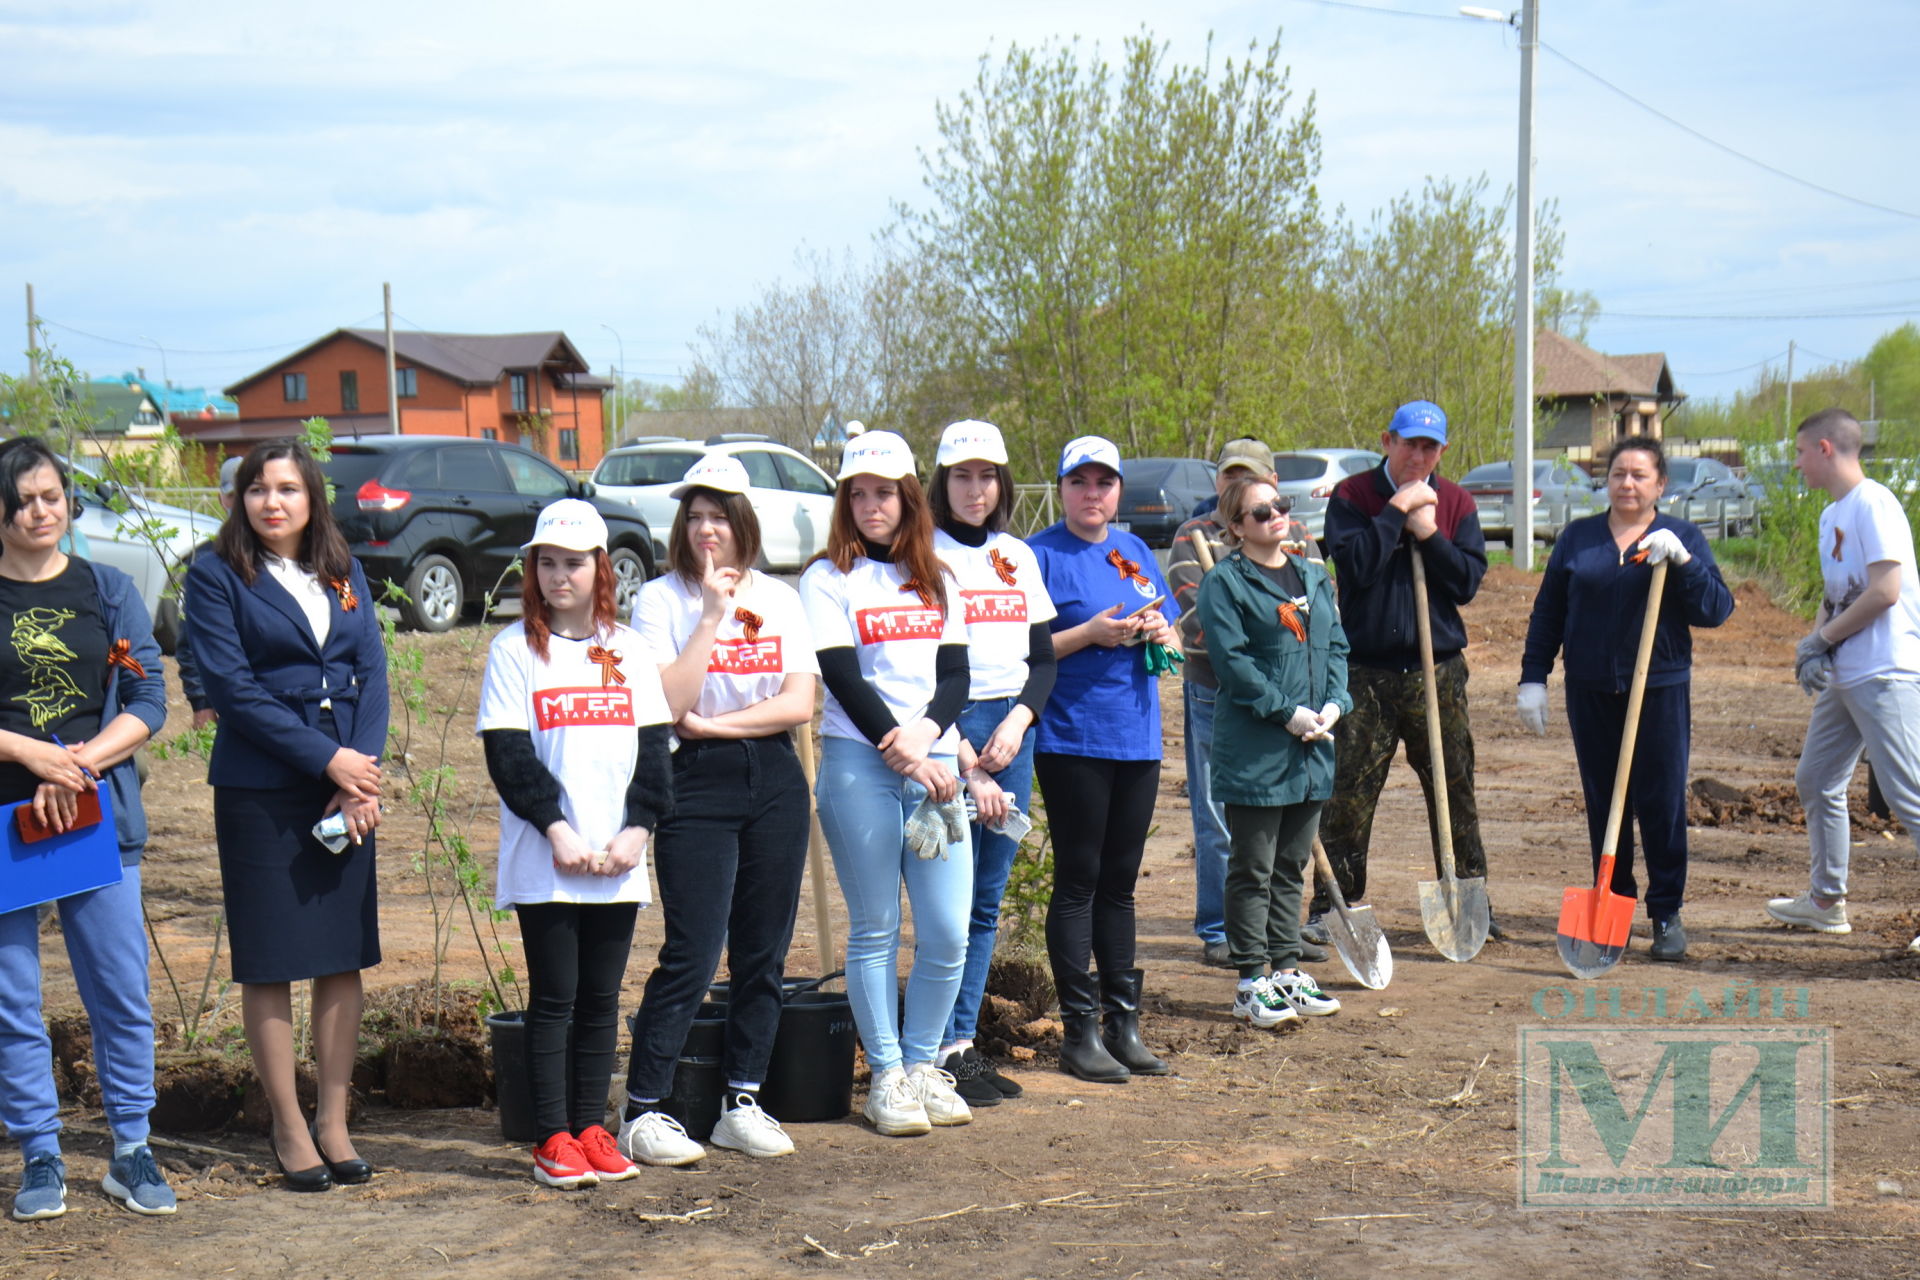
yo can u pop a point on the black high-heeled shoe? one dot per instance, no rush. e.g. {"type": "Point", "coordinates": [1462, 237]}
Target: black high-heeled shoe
{"type": "Point", "coordinates": [347, 1173]}
{"type": "Point", "coordinates": [318, 1178]}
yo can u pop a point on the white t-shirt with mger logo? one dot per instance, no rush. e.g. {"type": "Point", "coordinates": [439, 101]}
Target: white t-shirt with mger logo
{"type": "Point", "coordinates": [894, 635]}
{"type": "Point", "coordinates": [1866, 527]}
{"type": "Point", "coordinates": [762, 639]}
{"type": "Point", "coordinates": [1000, 583]}
{"type": "Point", "coordinates": [583, 708]}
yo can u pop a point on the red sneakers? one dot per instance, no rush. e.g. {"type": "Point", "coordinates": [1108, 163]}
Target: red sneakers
{"type": "Point", "coordinates": [604, 1155]}
{"type": "Point", "coordinates": [560, 1162]}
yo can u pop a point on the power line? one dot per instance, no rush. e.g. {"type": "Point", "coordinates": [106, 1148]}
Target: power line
{"type": "Point", "coordinates": [1391, 13]}
{"type": "Point", "coordinates": [1778, 172]}
{"type": "Point", "coordinates": [1721, 373]}
{"type": "Point", "coordinates": [1804, 315]}
{"type": "Point", "coordinates": [176, 351]}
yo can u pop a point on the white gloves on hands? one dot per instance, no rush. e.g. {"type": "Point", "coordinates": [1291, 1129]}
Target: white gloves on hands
{"type": "Point", "coordinates": [1664, 544]}
{"type": "Point", "coordinates": [1532, 704]}
{"type": "Point", "coordinates": [1329, 716]}
{"type": "Point", "coordinates": [1304, 724]}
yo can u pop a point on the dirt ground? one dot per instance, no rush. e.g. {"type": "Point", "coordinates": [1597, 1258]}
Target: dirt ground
{"type": "Point", "coordinates": [1383, 1140]}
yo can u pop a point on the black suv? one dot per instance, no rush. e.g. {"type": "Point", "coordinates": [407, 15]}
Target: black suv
{"type": "Point", "coordinates": [444, 516]}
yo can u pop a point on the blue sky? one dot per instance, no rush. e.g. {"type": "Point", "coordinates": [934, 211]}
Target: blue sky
{"type": "Point", "coordinates": [229, 181]}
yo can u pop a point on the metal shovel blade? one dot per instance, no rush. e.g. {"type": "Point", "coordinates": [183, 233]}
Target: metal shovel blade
{"type": "Point", "coordinates": [1362, 945]}
{"type": "Point", "coordinates": [1594, 927]}
{"type": "Point", "coordinates": [1456, 916]}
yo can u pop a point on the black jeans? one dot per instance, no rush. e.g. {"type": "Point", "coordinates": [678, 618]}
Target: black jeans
{"type": "Point", "coordinates": [1656, 786]}
{"type": "Point", "coordinates": [729, 863]}
{"type": "Point", "coordinates": [576, 960]}
{"type": "Point", "coordinates": [1098, 812]}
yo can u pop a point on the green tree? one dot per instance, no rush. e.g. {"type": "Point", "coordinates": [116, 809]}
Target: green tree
{"type": "Point", "coordinates": [1893, 368]}
{"type": "Point", "coordinates": [1125, 252]}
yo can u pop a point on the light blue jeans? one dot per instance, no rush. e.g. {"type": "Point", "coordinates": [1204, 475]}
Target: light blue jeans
{"type": "Point", "coordinates": [1211, 848]}
{"type": "Point", "coordinates": [107, 945]}
{"type": "Point", "coordinates": [864, 807]}
{"type": "Point", "coordinates": [993, 856]}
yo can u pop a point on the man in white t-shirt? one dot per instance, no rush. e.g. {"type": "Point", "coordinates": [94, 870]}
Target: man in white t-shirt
{"type": "Point", "coordinates": [1862, 660]}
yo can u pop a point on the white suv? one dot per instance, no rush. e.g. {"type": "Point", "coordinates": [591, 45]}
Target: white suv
{"type": "Point", "coordinates": [792, 497]}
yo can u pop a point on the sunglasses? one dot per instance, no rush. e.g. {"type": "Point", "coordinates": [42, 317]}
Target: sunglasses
{"type": "Point", "coordinates": [1266, 511]}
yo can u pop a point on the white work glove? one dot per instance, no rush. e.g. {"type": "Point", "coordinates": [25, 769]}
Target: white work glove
{"type": "Point", "coordinates": [1532, 704]}
{"type": "Point", "coordinates": [1664, 544]}
{"type": "Point", "coordinates": [1329, 716]}
{"type": "Point", "coordinates": [1304, 724]}
{"type": "Point", "coordinates": [1813, 664]}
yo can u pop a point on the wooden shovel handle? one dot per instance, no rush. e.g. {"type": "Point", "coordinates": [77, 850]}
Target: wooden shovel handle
{"type": "Point", "coordinates": [1443, 815]}
{"type": "Point", "coordinates": [816, 855]}
{"type": "Point", "coordinates": [1616, 811]}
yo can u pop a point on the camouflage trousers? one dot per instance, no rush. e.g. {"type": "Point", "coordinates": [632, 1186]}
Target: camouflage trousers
{"type": "Point", "coordinates": [1390, 707]}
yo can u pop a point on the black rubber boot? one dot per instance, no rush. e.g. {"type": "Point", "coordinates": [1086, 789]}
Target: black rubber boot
{"type": "Point", "coordinates": [1120, 1030]}
{"type": "Point", "coordinates": [1081, 1053]}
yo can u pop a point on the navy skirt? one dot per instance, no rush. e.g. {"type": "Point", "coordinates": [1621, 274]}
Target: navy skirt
{"type": "Point", "coordinates": [294, 909]}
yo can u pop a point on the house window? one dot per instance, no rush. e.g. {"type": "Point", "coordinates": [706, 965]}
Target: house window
{"type": "Point", "coordinates": [408, 382]}
{"type": "Point", "coordinates": [293, 386]}
{"type": "Point", "coordinates": [349, 391]}
{"type": "Point", "coordinates": [517, 384]}
{"type": "Point", "coordinates": [569, 444]}
{"type": "Point", "coordinates": [488, 433]}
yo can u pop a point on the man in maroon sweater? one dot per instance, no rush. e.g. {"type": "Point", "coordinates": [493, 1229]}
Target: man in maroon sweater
{"type": "Point", "coordinates": [1377, 522]}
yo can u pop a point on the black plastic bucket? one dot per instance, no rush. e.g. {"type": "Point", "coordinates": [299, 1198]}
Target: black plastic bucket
{"type": "Point", "coordinates": [810, 1075]}
{"type": "Point", "coordinates": [695, 1099]}
{"type": "Point", "coordinates": [512, 1076]}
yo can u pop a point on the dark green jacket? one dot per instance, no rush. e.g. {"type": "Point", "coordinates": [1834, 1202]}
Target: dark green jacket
{"type": "Point", "coordinates": [1266, 673]}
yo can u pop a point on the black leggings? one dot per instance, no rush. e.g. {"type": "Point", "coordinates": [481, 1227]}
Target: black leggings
{"type": "Point", "coordinates": [576, 960]}
{"type": "Point", "coordinates": [1098, 812]}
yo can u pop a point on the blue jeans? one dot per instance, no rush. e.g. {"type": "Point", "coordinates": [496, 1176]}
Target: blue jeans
{"type": "Point", "coordinates": [993, 856]}
{"type": "Point", "coordinates": [1210, 844]}
{"type": "Point", "coordinates": [864, 807]}
{"type": "Point", "coordinates": [107, 945]}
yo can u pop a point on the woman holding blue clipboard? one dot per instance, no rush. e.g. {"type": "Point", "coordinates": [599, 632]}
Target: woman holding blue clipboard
{"type": "Point", "coordinates": [80, 690]}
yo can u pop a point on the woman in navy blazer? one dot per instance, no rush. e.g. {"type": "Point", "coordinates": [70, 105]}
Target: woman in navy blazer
{"type": "Point", "coordinates": [288, 643]}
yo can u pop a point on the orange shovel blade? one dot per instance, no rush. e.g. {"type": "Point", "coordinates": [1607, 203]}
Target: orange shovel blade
{"type": "Point", "coordinates": [1594, 927]}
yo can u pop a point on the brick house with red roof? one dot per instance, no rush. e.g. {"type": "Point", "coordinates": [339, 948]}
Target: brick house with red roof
{"type": "Point", "coordinates": [532, 389]}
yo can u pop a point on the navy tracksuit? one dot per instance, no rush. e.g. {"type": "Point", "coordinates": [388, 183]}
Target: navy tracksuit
{"type": "Point", "coordinates": [1592, 603]}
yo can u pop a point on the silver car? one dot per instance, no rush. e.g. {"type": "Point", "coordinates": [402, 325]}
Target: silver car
{"type": "Point", "coordinates": [1562, 492]}
{"type": "Point", "coordinates": [1308, 476]}
{"type": "Point", "coordinates": [148, 540]}
{"type": "Point", "coordinates": [1705, 491]}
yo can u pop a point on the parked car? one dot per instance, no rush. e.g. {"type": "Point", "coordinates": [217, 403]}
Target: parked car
{"type": "Point", "coordinates": [1705, 491]}
{"type": "Point", "coordinates": [149, 541]}
{"type": "Point", "coordinates": [1561, 492]}
{"type": "Point", "coordinates": [1160, 494]}
{"type": "Point", "coordinates": [792, 497]}
{"type": "Point", "coordinates": [444, 517]}
{"type": "Point", "coordinates": [1309, 476]}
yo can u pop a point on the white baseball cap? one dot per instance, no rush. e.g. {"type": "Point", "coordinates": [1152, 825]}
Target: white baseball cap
{"type": "Point", "coordinates": [719, 471]}
{"type": "Point", "coordinates": [229, 471]}
{"type": "Point", "coordinates": [571, 525]}
{"type": "Point", "coordinates": [877, 453]}
{"type": "Point", "coordinates": [1084, 449]}
{"type": "Point", "coordinates": [971, 440]}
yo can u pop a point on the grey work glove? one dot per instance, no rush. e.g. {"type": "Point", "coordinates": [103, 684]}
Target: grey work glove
{"type": "Point", "coordinates": [1813, 664]}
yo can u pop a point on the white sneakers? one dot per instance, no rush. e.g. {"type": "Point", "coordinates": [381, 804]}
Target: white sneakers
{"type": "Point", "coordinates": [1258, 1004]}
{"type": "Point", "coordinates": [1304, 994]}
{"type": "Point", "coordinates": [894, 1106]}
{"type": "Point", "coordinates": [1803, 913]}
{"type": "Point", "coordinates": [746, 1128]}
{"type": "Point", "coordinates": [655, 1138]}
{"type": "Point", "coordinates": [943, 1103]}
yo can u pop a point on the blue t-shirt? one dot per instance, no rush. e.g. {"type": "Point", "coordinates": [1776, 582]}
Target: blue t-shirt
{"type": "Point", "coordinates": [1104, 703]}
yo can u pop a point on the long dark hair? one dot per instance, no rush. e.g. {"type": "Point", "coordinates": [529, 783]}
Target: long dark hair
{"type": "Point", "coordinates": [323, 551]}
{"type": "Point", "coordinates": [738, 510]}
{"type": "Point", "coordinates": [942, 506]}
{"type": "Point", "coordinates": [534, 614]}
{"type": "Point", "coordinates": [912, 540]}
{"type": "Point", "coordinates": [21, 457]}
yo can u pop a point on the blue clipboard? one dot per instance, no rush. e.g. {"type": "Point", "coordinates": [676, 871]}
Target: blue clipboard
{"type": "Point", "coordinates": [59, 866]}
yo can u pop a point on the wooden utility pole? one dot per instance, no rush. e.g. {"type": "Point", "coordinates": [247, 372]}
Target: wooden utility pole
{"type": "Point", "coordinates": [33, 343]}
{"type": "Point", "coordinates": [393, 384]}
{"type": "Point", "coordinates": [1786, 428]}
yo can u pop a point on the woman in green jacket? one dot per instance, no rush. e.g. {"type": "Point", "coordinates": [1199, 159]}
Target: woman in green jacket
{"type": "Point", "coordinates": [1281, 658]}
